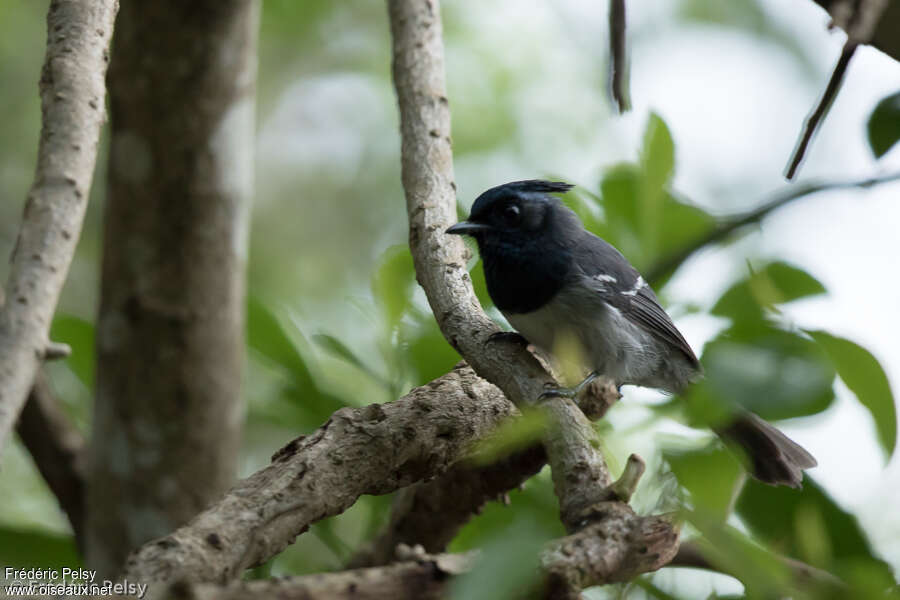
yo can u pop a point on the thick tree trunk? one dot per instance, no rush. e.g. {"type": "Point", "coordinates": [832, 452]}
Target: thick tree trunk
{"type": "Point", "coordinates": [167, 416]}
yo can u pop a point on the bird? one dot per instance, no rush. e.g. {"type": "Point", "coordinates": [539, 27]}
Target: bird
{"type": "Point", "coordinates": [554, 280]}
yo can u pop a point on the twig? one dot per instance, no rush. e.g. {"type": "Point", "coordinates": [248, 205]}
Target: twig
{"type": "Point", "coordinates": [618, 62]}
{"type": "Point", "coordinates": [581, 478]}
{"type": "Point", "coordinates": [625, 486]}
{"type": "Point", "coordinates": [72, 105]}
{"type": "Point", "coordinates": [57, 449]}
{"type": "Point", "coordinates": [669, 263]}
{"type": "Point", "coordinates": [860, 19]}
{"type": "Point", "coordinates": [373, 450]}
{"type": "Point", "coordinates": [821, 109]}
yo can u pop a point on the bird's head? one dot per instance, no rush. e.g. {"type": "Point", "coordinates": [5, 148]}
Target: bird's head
{"type": "Point", "coordinates": [513, 210]}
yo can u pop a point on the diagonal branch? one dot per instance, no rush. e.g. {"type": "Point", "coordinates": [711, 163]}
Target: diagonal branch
{"type": "Point", "coordinates": [667, 264]}
{"type": "Point", "coordinates": [424, 577]}
{"type": "Point", "coordinates": [581, 478]}
{"type": "Point", "coordinates": [72, 107]}
{"type": "Point", "coordinates": [618, 61]}
{"type": "Point", "coordinates": [57, 449]}
{"type": "Point", "coordinates": [373, 450]}
{"type": "Point", "coordinates": [818, 113]}
{"type": "Point", "coordinates": [860, 19]}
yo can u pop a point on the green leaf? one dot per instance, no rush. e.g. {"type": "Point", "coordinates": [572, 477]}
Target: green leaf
{"type": "Point", "coordinates": [776, 374]}
{"type": "Point", "coordinates": [79, 335]}
{"type": "Point", "coordinates": [25, 549]}
{"type": "Point", "coordinates": [658, 154]}
{"type": "Point", "coordinates": [301, 403]}
{"type": "Point", "coordinates": [731, 551]}
{"type": "Point", "coordinates": [266, 335]}
{"type": "Point", "coordinates": [339, 349]}
{"type": "Point", "coordinates": [884, 125]}
{"type": "Point", "coordinates": [643, 220]}
{"type": "Point", "coordinates": [511, 539]}
{"type": "Point", "coordinates": [426, 351]}
{"type": "Point", "coordinates": [658, 162]}
{"type": "Point", "coordinates": [510, 436]}
{"type": "Point", "coordinates": [805, 524]}
{"type": "Point", "coordinates": [864, 376]}
{"type": "Point", "coordinates": [392, 284]}
{"type": "Point", "coordinates": [711, 476]}
{"type": "Point", "coordinates": [775, 283]}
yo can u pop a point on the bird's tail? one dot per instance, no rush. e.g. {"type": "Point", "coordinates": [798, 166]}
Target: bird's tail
{"type": "Point", "coordinates": [772, 457]}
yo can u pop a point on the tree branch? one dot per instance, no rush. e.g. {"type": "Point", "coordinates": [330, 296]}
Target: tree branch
{"type": "Point", "coordinates": [618, 61]}
{"type": "Point", "coordinates": [860, 19]}
{"type": "Point", "coordinates": [818, 113]}
{"type": "Point", "coordinates": [72, 107]}
{"type": "Point", "coordinates": [580, 475]}
{"type": "Point", "coordinates": [667, 264]}
{"type": "Point", "coordinates": [422, 577]}
{"type": "Point", "coordinates": [431, 513]}
{"type": "Point", "coordinates": [373, 450]}
{"type": "Point", "coordinates": [57, 449]}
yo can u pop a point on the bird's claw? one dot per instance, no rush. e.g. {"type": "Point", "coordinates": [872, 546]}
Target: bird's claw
{"type": "Point", "coordinates": [571, 393]}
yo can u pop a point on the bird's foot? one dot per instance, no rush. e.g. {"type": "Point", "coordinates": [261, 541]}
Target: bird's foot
{"type": "Point", "coordinates": [571, 393]}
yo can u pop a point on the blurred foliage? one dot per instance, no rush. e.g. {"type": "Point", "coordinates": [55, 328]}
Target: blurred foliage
{"type": "Point", "coordinates": [884, 125]}
{"type": "Point", "coordinates": [335, 318]}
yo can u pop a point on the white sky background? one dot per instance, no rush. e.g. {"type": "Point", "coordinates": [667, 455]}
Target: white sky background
{"type": "Point", "coordinates": [735, 104]}
{"type": "Point", "coordinates": [735, 107]}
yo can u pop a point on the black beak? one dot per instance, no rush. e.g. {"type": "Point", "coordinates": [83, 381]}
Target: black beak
{"type": "Point", "coordinates": [467, 228]}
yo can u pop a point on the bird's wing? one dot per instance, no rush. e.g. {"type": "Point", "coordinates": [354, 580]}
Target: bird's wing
{"type": "Point", "coordinates": [621, 286]}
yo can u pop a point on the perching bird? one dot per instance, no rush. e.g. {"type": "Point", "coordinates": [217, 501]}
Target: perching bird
{"type": "Point", "coordinates": [551, 278]}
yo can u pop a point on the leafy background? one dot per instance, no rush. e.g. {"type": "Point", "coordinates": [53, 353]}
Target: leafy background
{"type": "Point", "coordinates": [795, 318]}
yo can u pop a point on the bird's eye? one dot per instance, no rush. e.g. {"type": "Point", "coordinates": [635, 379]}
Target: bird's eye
{"type": "Point", "coordinates": [510, 214]}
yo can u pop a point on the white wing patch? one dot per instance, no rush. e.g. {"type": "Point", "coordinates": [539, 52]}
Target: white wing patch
{"type": "Point", "coordinates": [638, 285]}
{"type": "Point", "coordinates": [604, 278]}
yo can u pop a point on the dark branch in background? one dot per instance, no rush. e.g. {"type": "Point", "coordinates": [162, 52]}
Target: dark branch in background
{"type": "Point", "coordinates": [72, 112]}
{"type": "Point", "coordinates": [431, 513]}
{"type": "Point", "coordinates": [618, 60]}
{"type": "Point", "coordinates": [57, 449]}
{"type": "Point", "coordinates": [886, 36]}
{"type": "Point", "coordinates": [373, 450]}
{"type": "Point", "coordinates": [860, 19]}
{"type": "Point", "coordinates": [669, 263]}
{"type": "Point", "coordinates": [419, 577]}
{"type": "Point", "coordinates": [816, 117]}
{"type": "Point", "coordinates": [588, 507]}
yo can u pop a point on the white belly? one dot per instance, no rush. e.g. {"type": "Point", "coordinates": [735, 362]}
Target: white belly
{"type": "Point", "coordinates": [610, 344]}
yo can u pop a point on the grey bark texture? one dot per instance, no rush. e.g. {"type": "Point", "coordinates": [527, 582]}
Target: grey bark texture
{"type": "Point", "coordinates": [72, 113]}
{"type": "Point", "coordinates": [587, 497]}
{"type": "Point", "coordinates": [431, 513]}
{"type": "Point", "coordinates": [167, 415]}
{"type": "Point", "coordinates": [373, 450]}
{"type": "Point", "coordinates": [423, 577]}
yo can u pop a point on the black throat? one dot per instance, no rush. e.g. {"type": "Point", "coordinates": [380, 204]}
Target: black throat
{"type": "Point", "coordinates": [524, 271]}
